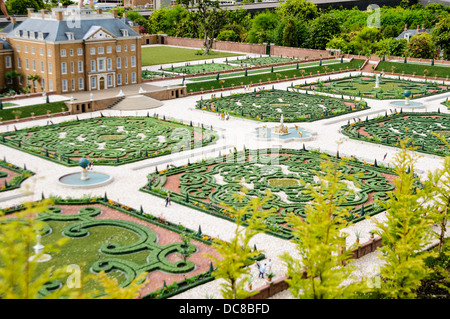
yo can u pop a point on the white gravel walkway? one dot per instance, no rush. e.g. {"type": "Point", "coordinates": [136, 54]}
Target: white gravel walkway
{"type": "Point", "coordinates": [234, 133]}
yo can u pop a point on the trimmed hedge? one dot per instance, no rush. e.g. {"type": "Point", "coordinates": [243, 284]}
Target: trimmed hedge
{"type": "Point", "coordinates": [229, 82]}
{"type": "Point", "coordinates": [268, 105]}
{"type": "Point", "coordinates": [140, 138]}
{"type": "Point", "coordinates": [390, 128]}
{"type": "Point", "coordinates": [198, 188]}
{"type": "Point", "coordinates": [16, 181]}
{"type": "Point", "coordinates": [86, 219]}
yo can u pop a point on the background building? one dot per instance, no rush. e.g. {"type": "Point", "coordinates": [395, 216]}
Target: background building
{"type": "Point", "coordinates": [70, 50]}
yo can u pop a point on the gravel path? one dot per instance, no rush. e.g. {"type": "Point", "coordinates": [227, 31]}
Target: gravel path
{"type": "Point", "coordinates": [233, 133]}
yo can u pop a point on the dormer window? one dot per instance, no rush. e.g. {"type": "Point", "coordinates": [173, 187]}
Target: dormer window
{"type": "Point", "coordinates": [40, 35]}
{"type": "Point", "coordinates": [32, 34]}
{"type": "Point", "coordinates": [70, 36]}
{"type": "Point", "coordinates": [25, 34]}
{"type": "Point", "coordinates": [17, 33]}
{"type": "Point", "coordinates": [124, 32]}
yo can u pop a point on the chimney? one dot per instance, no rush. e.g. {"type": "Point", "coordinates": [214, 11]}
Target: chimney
{"type": "Point", "coordinates": [406, 27]}
{"type": "Point", "coordinates": [124, 14]}
{"type": "Point", "coordinates": [115, 13]}
{"type": "Point", "coordinates": [43, 13]}
{"type": "Point", "coordinates": [418, 28]}
{"type": "Point", "coordinates": [99, 11]}
{"type": "Point", "coordinates": [13, 20]}
{"type": "Point", "coordinates": [59, 15]}
{"type": "Point", "coordinates": [423, 27]}
{"type": "Point", "coordinates": [30, 11]}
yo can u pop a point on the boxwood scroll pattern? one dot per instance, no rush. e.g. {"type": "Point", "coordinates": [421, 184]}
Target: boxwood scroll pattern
{"type": "Point", "coordinates": [108, 140]}
{"type": "Point", "coordinates": [418, 127]}
{"type": "Point", "coordinates": [209, 184]}
{"type": "Point", "coordinates": [268, 105]}
{"type": "Point", "coordinates": [364, 86]}
{"type": "Point", "coordinates": [15, 182]}
{"type": "Point", "coordinates": [157, 254]}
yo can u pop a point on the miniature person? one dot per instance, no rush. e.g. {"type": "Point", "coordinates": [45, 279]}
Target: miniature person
{"type": "Point", "coordinates": [262, 270]}
{"type": "Point", "coordinates": [269, 266]}
{"type": "Point", "coordinates": [168, 199]}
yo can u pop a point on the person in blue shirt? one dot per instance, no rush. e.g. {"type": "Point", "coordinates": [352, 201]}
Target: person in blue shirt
{"type": "Point", "coordinates": [262, 270]}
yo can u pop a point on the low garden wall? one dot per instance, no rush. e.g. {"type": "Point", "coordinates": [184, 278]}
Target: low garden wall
{"type": "Point", "coordinates": [281, 284]}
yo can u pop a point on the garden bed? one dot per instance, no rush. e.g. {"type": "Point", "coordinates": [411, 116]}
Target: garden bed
{"type": "Point", "coordinates": [418, 127]}
{"type": "Point", "coordinates": [270, 105]}
{"type": "Point", "coordinates": [108, 140]}
{"type": "Point", "coordinates": [209, 186]}
{"type": "Point", "coordinates": [11, 176]}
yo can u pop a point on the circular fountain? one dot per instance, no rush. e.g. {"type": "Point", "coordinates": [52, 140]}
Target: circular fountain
{"type": "Point", "coordinates": [284, 133]}
{"type": "Point", "coordinates": [85, 178]}
{"type": "Point", "coordinates": [406, 103]}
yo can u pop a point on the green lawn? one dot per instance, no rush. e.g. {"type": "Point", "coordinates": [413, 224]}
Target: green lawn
{"type": "Point", "coordinates": [216, 84]}
{"type": "Point", "coordinates": [410, 68]}
{"type": "Point", "coordinates": [164, 54]}
{"type": "Point", "coordinates": [38, 109]}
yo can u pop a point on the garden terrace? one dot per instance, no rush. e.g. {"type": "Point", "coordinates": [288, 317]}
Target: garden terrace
{"type": "Point", "coordinates": [256, 79]}
{"type": "Point", "coordinates": [108, 140]}
{"type": "Point", "coordinates": [201, 68]}
{"type": "Point", "coordinates": [12, 113]}
{"type": "Point", "coordinates": [363, 86]}
{"type": "Point", "coordinates": [209, 186]}
{"type": "Point", "coordinates": [11, 176]}
{"type": "Point", "coordinates": [123, 242]}
{"type": "Point", "coordinates": [269, 105]}
{"type": "Point", "coordinates": [417, 127]}
{"type": "Point", "coordinates": [415, 68]}
{"type": "Point", "coordinates": [154, 55]}
{"type": "Point", "coordinates": [264, 60]}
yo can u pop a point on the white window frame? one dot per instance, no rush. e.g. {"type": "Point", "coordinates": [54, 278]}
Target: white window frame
{"type": "Point", "coordinates": [63, 67]}
{"type": "Point", "coordinates": [80, 84]}
{"type": "Point", "coordinates": [64, 86]}
{"type": "Point", "coordinates": [63, 53]}
{"type": "Point", "coordinates": [80, 66]}
{"type": "Point", "coordinates": [8, 62]}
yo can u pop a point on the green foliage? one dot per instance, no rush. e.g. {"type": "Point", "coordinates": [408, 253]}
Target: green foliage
{"type": "Point", "coordinates": [441, 35]}
{"type": "Point", "coordinates": [319, 273]}
{"type": "Point", "coordinates": [420, 46]}
{"type": "Point", "coordinates": [405, 232]}
{"type": "Point", "coordinates": [238, 251]}
{"type": "Point", "coordinates": [322, 30]}
{"type": "Point", "coordinates": [20, 6]}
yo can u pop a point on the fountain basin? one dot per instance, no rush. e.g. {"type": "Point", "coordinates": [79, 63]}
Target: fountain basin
{"type": "Point", "coordinates": [95, 179]}
{"type": "Point", "coordinates": [293, 134]}
{"type": "Point", "coordinates": [411, 104]}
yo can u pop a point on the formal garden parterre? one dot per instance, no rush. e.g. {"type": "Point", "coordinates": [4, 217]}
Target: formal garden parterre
{"type": "Point", "coordinates": [418, 128]}
{"type": "Point", "coordinates": [124, 242]}
{"type": "Point", "coordinates": [364, 86]}
{"type": "Point", "coordinates": [109, 140]}
{"type": "Point", "coordinates": [270, 105]}
{"type": "Point", "coordinates": [12, 176]}
{"type": "Point", "coordinates": [210, 185]}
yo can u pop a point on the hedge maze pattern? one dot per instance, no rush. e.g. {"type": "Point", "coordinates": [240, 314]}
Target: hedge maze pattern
{"type": "Point", "coordinates": [147, 242]}
{"type": "Point", "coordinates": [108, 140]}
{"type": "Point", "coordinates": [12, 176]}
{"type": "Point", "coordinates": [269, 105]}
{"type": "Point", "coordinates": [363, 86]}
{"type": "Point", "coordinates": [209, 184]}
{"type": "Point", "coordinates": [418, 128]}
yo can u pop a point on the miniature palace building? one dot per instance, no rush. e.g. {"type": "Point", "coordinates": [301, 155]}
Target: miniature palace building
{"type": "Point", "coordinates": [71, 50]}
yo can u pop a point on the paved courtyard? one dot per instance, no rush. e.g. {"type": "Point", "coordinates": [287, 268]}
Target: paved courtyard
{"type": "Point", "coordinates": [234, 133]}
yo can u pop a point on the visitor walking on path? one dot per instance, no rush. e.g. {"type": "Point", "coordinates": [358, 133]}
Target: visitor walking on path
{"type": "Point", "coordinates": [5, 12]}
{"type": "Point", "coordinates": [269, 266]}
{"type": "Point", "coordinates": [168, 199]}
{"type": "Point", "coordinates": [262, 270]}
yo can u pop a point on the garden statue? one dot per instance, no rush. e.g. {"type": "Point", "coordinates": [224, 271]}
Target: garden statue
{"type": "Point", "coordinates": [377, 81]}
{"type": "Point", "coordinates": [281, 129]}
{"type": "Point", "coordinates": [407, 94]}
{"type": "Point", "coordinates": [83, 163]}
{"type": "Point", "coordinates": [38, 249]}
